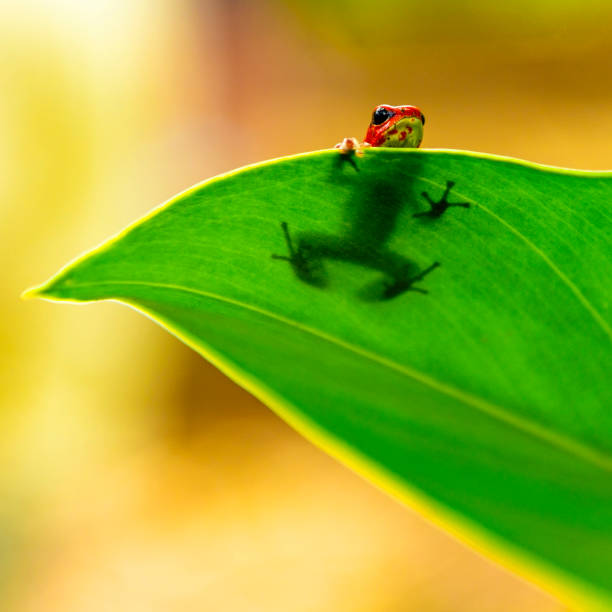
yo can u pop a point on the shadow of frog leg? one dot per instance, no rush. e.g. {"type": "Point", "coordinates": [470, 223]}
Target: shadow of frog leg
{"type": "Point", "coordinates": [306, 267]}
{"type": "Point", "coordinates": [400, 285]}
{"type": "Point", "coordinates": [400, 275]}
{"type": "Point", "coordinates": [438, 208]}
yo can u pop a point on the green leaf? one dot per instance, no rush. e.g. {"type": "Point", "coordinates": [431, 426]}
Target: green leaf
{"type": "Point", "coordinates": [478, 390]}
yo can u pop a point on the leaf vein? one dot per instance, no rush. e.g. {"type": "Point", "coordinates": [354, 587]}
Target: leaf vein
{"type": "Point", "coordinates": [551, 264]}
{"type": "Point", "coordinates": [560, 441]}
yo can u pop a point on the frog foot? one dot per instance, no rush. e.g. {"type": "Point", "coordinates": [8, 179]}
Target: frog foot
{"type": "Point", "coordinates": [350, 146]}
{"type": "Point", "coordinates": [400, 285]}
{"type": "Point", "coordinates": [303, 267]}
{"type": "Point", "coordinates": [439, 208]}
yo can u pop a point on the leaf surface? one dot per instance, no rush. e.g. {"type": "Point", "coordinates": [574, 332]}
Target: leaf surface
{"type": "Point", "coordinates": [460, 360]}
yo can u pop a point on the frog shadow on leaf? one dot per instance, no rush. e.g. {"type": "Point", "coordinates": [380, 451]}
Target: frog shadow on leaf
{"type": "Point", "coordinates": [370, 218]}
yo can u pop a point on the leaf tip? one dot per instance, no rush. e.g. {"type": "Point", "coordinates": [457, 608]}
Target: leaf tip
{"type": "Point", "coordinates": [43, 291]}
{"type": "Point", "coordinates": [33, 292]}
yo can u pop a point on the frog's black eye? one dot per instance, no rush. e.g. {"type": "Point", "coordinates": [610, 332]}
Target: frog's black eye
{"type": "Point", "coordinates": [422, 118]}
{"type": "Point", "coordinates": [380, 115]}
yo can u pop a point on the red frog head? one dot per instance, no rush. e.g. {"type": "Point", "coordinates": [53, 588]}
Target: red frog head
{"type": "Point", "coordinates": [395, 126]}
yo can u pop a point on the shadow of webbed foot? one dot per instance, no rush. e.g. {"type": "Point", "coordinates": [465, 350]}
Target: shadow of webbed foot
{"type": "Point", "coordinates": [401, 285]}
{"type": "Point", "coordinates": [439, 208]}
{"type": "Point", "coordinates": [347, 157]}
{"type": "Point", "coordinates": [307, 269]}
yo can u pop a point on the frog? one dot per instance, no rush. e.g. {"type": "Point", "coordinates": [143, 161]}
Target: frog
{"type": "Point", "coordinates": [366, 237]}
{"type": "Point", "coordinates": [399, 127]}
{"type": "Point", "coordinates": [390, 126]}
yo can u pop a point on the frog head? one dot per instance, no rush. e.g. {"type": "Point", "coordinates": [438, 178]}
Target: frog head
{"type": "Point", "coordinates": [395, 126]}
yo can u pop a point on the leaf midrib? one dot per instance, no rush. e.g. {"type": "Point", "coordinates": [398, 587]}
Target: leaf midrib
{"type": "Point", "coordinates": [562, 442]}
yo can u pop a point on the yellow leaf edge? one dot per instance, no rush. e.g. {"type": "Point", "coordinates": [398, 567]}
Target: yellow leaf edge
{"type": "Point", "coordinates": [570, 590]}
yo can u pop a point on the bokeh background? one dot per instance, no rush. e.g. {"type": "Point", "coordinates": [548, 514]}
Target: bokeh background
{"type": "Point", "coordinates": [133, 475]}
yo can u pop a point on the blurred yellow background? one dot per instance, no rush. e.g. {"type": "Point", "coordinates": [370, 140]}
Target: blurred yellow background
{"type": "Point", "coordinates": [135, 476]}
